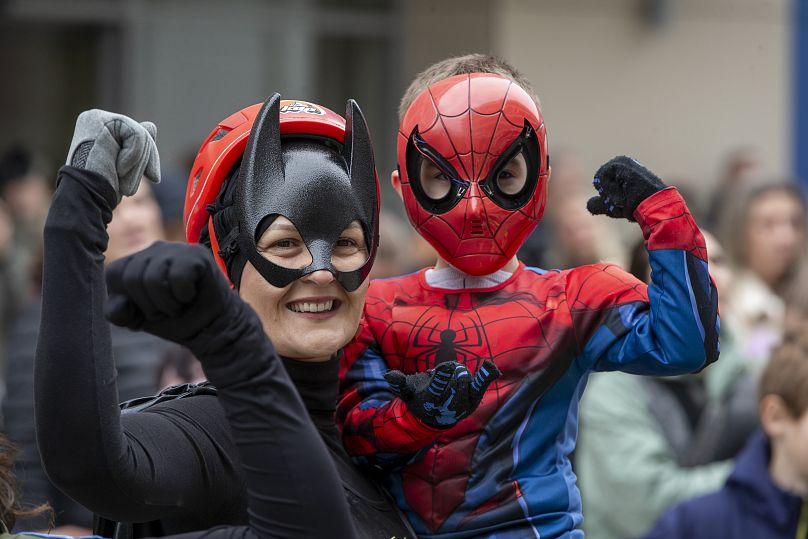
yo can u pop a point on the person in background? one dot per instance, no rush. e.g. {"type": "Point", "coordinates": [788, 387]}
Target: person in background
{"type": "Point", "coordinates": [395, 253]}
{"type": "Point", "coordinates": [136, 225]}
{"type": "Point", "coordinates": [740, 164]}
{"type": "Point", "coordinates": [25, 190]}
{"type": "Point", "coordinates": [678, 433]}
{"type": "Point", "coordinates": [24, 194]}
{"type": "Point", "coordinates": [578, 238]}
{"type": "Point", "coordinates": [765, 233]}
{"type": "Point", "coordinates": [179, 366]}
{"type": "Point", "coordinates": [9, 292]}
{"type": "Point", "coordinates": [766, 495]}
{"type": "Point", "coordinates": [170, 196]}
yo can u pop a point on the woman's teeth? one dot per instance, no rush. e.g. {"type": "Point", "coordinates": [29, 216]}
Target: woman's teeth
{"type": "Point", "coordinates": [307, 307]}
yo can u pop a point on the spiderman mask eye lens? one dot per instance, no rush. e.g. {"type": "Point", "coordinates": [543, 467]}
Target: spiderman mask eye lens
{"type": "Point", "coordinates": [514, 176]}
{"type": "Point", "coordinates": [434, 181]}
{"type": "Point", "coordinates": [511, 178]}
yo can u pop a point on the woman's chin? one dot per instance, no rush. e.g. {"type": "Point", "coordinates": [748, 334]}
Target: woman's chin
{"type": "Point", "coordinates": [317, 345]}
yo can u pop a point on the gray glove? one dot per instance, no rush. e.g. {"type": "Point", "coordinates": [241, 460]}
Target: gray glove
{"type": "Point", "coordinates": [116, 147]}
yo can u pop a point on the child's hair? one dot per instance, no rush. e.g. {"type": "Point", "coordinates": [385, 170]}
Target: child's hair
{"type": "Point", "coordinates": [10, 509]}
{"type": "Point", "coordinates": [462, 65]}
{"type": "Point", "coordinates": [786, 374]}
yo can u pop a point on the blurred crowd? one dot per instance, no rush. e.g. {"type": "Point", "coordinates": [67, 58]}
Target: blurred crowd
{"type": "Point", "coordinates": [645, 444]}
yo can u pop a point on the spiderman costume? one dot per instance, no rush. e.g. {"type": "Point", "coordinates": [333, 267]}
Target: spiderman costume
{"type": "Point", "coordinates": [504, 470]}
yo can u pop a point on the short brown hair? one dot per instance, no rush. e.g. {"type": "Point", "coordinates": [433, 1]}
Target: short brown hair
{"type": "Point", "coordinates": [786, 374]}
{"type": "Point", "coordinates": [462, 65]}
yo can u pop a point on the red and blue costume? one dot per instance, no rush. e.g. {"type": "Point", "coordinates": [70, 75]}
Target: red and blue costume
{"type": "Point", "coordinates": [504, 470]}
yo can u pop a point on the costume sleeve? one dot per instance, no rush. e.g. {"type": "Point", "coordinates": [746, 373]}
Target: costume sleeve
{"type": "Point", "coordinates": [176, 458]}
{"type": "Point", "coordinates": [668, 328]}
{"type": "Point", "coordinates": [293, 487]}
{"type": "Point", "coordinates": [376, 426]}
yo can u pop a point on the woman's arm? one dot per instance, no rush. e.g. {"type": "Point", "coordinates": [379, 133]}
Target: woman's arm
{"type": "Point", "coordinates": [151, 466]}
{"type": "Point", "coordinates": [175, 291]}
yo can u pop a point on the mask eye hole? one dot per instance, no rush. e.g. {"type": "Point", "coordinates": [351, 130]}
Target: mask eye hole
{"type": "Point", "coordinates": [350, 250]}
{"type": "Point", "coordinates": [512, 177]}
{"type": "Point", "coordinates": [282, 244]}
{"type": "Point", "coordinates": [434, 181]}
{"type": "Point", "coordinates": [515, 174]}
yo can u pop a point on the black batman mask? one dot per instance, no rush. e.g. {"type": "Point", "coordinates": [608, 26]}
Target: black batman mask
{"type": "Point", "coordinates": [321, 186]}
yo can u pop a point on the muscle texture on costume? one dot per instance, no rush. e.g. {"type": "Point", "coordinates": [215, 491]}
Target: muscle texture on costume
{"type": "Point", "coordinates": [505, 468]}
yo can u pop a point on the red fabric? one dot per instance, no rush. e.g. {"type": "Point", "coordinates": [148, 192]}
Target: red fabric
{"type": "Point", "coordinates": [470, 120]}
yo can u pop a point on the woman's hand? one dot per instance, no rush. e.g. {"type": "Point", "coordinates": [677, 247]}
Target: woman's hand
{"type": "Point", "coordinates": [116, 147]}
{"type": "Point", "coordinates": [172, 290]}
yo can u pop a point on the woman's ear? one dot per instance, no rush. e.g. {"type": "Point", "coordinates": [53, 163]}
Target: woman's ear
{"type": "Point", "coordinates": [395, 179]}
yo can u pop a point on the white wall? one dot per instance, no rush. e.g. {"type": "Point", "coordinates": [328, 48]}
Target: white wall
{"type": "Point", "coordinates": [677, 96]}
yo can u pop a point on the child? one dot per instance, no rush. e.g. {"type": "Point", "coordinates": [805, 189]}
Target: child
{"type": "Point", "coordinates": [472, 172]}
{"type": "Point", "coordinates": [766, 496]}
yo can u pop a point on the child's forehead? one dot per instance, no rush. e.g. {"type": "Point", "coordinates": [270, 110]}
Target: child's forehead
{"type": "Point", "coordinates": [481, 93]}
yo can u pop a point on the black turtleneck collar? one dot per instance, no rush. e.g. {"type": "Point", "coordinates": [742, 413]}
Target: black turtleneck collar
{"type": "Point", "coordinates": [316, 382]}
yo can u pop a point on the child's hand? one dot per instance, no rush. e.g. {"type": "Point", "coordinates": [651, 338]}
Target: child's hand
{"type": "Point", "coordinates": [442, 396]}
{"type": "Point", "coordinates": [622, 184]}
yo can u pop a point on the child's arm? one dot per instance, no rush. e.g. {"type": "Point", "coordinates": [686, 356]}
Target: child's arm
{"type": "Point", "coordinates": [670, 328]}
{"type": "Point", "coordinates": [374, 423]}
{"type": "Point", "coordinates": [387, 415]}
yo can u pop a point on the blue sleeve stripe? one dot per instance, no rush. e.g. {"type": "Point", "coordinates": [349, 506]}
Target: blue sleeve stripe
{"type": "Point", "coordinates": [693, 304]}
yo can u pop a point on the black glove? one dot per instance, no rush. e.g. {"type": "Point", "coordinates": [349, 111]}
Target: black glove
{"type": "Point", "coordinates": [622, 184]}
{"type": "Point", "coordinates": [174, 291]}
{"type": "Point", "coordinates": [442, 396]}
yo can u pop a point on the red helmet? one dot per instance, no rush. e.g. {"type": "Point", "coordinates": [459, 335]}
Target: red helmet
{"type": "Point", "coordinates": [470, 127]}
{"type": "Point", "coordinates": [224, 147]}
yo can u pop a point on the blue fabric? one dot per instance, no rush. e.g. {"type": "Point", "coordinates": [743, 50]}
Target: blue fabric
{"type": "Point", "coordinates": [668, 336]}
{"type": "Point", "coordinates": [749, 505]}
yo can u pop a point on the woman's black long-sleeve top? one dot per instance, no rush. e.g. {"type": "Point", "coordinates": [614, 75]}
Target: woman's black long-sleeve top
{"type": "Point", "coordinates": [188, 463]}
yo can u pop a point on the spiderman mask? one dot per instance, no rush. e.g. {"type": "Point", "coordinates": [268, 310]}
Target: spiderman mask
{"type": "Point", "coordinates": [473, 165]}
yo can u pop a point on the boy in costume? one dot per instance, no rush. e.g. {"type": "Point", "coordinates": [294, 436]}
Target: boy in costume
{"type": "Point", "coordinates": [473, 168]}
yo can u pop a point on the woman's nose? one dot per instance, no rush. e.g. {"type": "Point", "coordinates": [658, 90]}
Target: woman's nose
{"type": "Point", "coordinates": [320, 277]}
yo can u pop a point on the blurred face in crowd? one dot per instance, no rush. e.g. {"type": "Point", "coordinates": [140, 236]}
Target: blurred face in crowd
{"type": "Point", "coordinates": [719, 266]}
{"type": "Point", "coordinates": [136, 224]}
{"type": "Point", "coordinates": [576, 231]}
{"type": "Point", "coordinates": [314, 316]}
{"type": "Point", "coordinates": [394, 252]}
{"type": "Point", "coordinates": [28, 199]}
{"type": "Point", "coordinates": [774, 234]}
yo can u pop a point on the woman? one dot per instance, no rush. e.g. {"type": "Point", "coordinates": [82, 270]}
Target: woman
{"type": "Point", "coordinates": [765, 236]}
{"type": "Point", "coordinates": [304, 196]}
